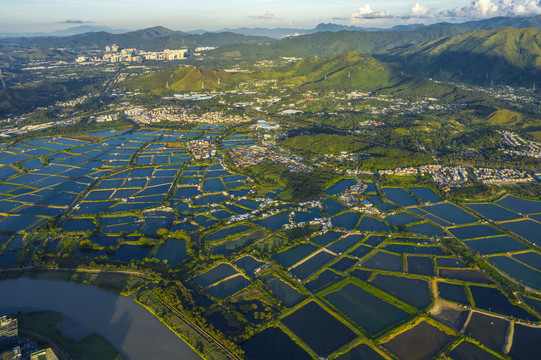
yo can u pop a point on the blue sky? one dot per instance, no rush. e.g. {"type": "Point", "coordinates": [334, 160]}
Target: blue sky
{"type": "Point", "coordinates": [49, 15]}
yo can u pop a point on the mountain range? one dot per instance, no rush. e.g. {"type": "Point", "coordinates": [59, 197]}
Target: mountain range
{"type": "Point", "coordinates": [89, 36]}
{"type": "Point", "coordinates": [501, 56]}
{"type": "Point", "coordinates": [480, 52]}
{"type": "Point", "coordinates": [508, 56]}
{"type": "Point", "coordinates": [151, 39]}
{"type": "Point", "coordinates": [486, 24]}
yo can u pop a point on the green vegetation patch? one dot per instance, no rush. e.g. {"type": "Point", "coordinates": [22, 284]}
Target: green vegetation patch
{"type": "Point", "coordinates": [45, 323]}
{"type": "Point", "coordinates": [326, 144]}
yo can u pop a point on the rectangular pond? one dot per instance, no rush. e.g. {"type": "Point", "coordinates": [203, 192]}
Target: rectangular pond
{"type": "Point", "coordinates": [450, 213]}
{"type": "Point", "coordinates": [364, 308]}
{"type": "Point", "coordinates": [310, 266]}
{"type": "Point", "coordinates": [321, 331]}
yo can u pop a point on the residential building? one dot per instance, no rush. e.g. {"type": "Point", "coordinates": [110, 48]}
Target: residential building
{"type": "Point", "coordinates": [9, 333]}
{"type": "Point", "coordinates": [45, 354]}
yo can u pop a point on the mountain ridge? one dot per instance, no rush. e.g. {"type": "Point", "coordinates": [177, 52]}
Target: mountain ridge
{"type": "Point", "coordinates": [154, 38]}
{"type": "Point", "coordinates": [507, 55]}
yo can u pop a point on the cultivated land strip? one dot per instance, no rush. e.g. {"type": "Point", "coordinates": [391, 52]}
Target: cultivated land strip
{"type": "Point", "coordinates": [199, 330]}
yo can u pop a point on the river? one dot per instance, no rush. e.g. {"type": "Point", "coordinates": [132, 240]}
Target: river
{"type": "Point", "coordinates": [131, 329]}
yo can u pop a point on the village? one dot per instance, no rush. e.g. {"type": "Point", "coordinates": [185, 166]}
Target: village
{"type": "Point", "coordinates": [457, 176]}
{"type": "Point", "coordinates": [247, 156]}
{"type": "Point", "coordinates": [170, 114]}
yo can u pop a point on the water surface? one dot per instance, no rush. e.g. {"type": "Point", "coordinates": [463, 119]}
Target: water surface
{"type": "Point", "coordinates": [133, 331]}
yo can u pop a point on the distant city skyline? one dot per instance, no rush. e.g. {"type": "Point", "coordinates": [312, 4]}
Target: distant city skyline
{"type": "Point", "coordinates": [27, 16]}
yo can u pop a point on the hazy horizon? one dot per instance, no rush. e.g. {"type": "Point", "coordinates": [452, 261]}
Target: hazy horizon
{"type": "Point", "coordinates": [34, 16]}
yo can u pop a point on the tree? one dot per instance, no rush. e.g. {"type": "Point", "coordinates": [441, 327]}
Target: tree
{"type": "Point", "coordinates": [200, 346]}
{"type": "Point", "coordinates": [162, 232]}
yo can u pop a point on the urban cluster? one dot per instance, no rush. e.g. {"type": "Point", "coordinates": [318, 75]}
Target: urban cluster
{"type": "Point", "coordinates": [114, 54]}
{"type": "Point", "coordinates": [8, 132]}
{"type": "Point", "coordinates": [344, 156]}
{"type": "Point", "coordinates": [142, 116]}
{"type": "Point", "coordinates": [202, 149]}
{"type": "Point", "coordinates": [456, 176]}
{"type": "Point", "coordinates": [501, 176]}
{"type": "Point", "coordinates": [530, 148]}
{"type": "Point", "coordinates": [255, 154]}
{"type": "Point", "coordinates": [14, 347]}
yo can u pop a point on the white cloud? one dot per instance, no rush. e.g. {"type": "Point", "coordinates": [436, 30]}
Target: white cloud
{"type": "Point", "coordinates": [488, 8]}
{"type": "Point", "coordinates": [265, 16]}
{"type": "Point", "coordinates": [420, 11]}
{"type": "Point", "coordinates": [484, 8]}
{"type": "Point", "coordinates": [70, 21]}
{"type": "Point", "coordinates": [478, 9]}
{"type": "Point", "coordinates": [366, 12]}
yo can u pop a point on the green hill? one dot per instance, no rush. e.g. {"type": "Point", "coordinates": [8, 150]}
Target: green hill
{"type": "Point", "coordinates": [504, 118]}
{"type": "Point", "coordinates": [15, 100]}
{"type": "Point", "coordinates": [183, 79]}
{"type": "Point", "coordinates": [506, 55]}
{"type": "Point", "coordinates": [347, 70]}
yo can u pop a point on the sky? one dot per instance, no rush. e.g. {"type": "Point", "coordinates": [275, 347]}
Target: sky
{"type": "Point", "coordinates": [27, 16]}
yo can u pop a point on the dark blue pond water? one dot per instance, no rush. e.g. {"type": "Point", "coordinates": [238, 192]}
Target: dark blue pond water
{"type": "Point", "coordinates": [340, 186]}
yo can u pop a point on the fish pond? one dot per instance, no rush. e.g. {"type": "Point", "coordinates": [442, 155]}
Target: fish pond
{"type": "Point", "coordinates": [474, 231]}
{"type": "Point", "coordinates": [340, 186]}
{"type": "Point", "coordinates": [525, 342]}
{"type": "Point", "coordinates": [420, 265]}
{"type": "Point", "coordinates": [428, 340]}
{"type": "Point", "coordinates": [491, 299]}
{"type": "Point", "coordinates": [425, 195]}
{"type": "Point", "coordinates": [293, 255]}
{"type": "Point", "coordinates": [365, 309]}
{"type": "Point", "coordinates": [494, 212]}
{"type": "Point", "coordinates": [520, 206]}
{"type": "Point", "coordinates": [452, 292]}
{"type": "Point", "coordinates": [466, 350]}
{"type": "Point", "coordinates": [399, 196]}
{"type": "Point", "coordinates": [495, 245]}
{"type": "Point", "coordinates": [228, 287]}
{"type": "Point", "coordinates": [174, 251]}
{"type": "Point", "coordinates": [488, 330]}
{"type": "Point", "coordinates": [323, 280]}
{"type": "Point", "coordinates": [271, 344]}
{"type": "Point", "coordinates": [413, 291]}
{"type": "Point", "coordinates": [310, 266]}
{"type": "Point", "coordinates": [215, 274]}
{"type": "Point", "coordinates": [526, 229]}
{"type": "Point", "coordinates": [321, 331]}
{"type": "Point", "coordinates": [450, 213]}
{"type": "Point", "coordinates": [517, 270]}
{"type": "Point", "coordinates": [274, 222]}
{"type": "Point", "coordinates": [283, 291]}
{"type": "Point", "coordinates": [384, 261]}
